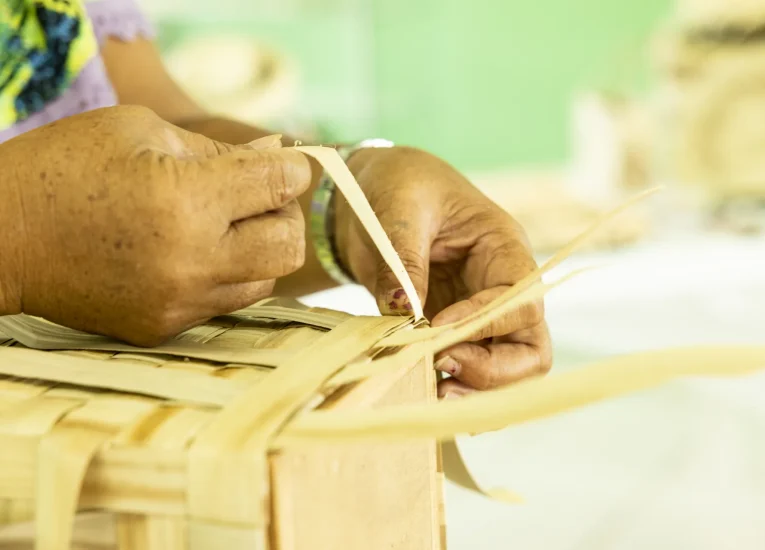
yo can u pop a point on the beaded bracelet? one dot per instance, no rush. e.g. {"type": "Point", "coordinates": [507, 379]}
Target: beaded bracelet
{"type": "Point", "coordinates": [323, 217]}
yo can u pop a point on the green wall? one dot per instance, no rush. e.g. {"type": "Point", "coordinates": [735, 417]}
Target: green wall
{"type": "Point", "coordinates": [484, 83]}
{"type": "Point", "coordinates": [488, 83]}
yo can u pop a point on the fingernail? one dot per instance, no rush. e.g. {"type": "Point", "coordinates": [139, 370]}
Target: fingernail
{"type": "Point", "coordinates": [267, 142]}
{"type": "Point", "coordinates": [396, 302]}
{"type": "Point", "coordinates": [450, 395]}
{"type": "Point", "coordinates": [448, 365]}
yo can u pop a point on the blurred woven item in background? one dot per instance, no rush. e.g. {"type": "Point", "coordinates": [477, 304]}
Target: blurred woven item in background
{"type": "Point", "coordinates": [552, 214]}
{"type": "Point", "coordinates": [711, 60]}
{"type": "Point", "coordinates": [610, 159]}
{"type": "Point", "coordinates": [241, 78]}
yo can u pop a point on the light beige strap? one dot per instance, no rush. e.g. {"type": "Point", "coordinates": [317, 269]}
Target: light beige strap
{"type": "Point", "coordinates": [39, 334]}
{"type": "Point", "coordinates": [191, 387]}
{"type": "Point", "coordinates": [525, 401]}
{"type": "Point", "coordinates": [333, 163]}
{"type": "Point", "coordinates": [457, 472]}
{"type": "Point", "coordinates": [440, 341]}
{"type": "Point", "coordinates": [63, 458]}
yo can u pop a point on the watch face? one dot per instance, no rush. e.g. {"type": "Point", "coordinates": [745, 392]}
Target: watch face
{"type": "Point", "coordinates": [375, 143]}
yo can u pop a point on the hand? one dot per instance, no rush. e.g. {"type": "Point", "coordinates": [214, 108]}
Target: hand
{"type": "Point", "coordinates": [136, 229]}
{"type": "Point", "coordinates": [461, 251]}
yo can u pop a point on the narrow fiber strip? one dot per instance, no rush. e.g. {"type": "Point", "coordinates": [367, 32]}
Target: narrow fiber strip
{"type": "Point", "coordinates": [39, 334]}
{"type": "Point", "coordinates": [346, 183]}
{"type": "Point", "coordinates": [117, 375]}
{"type": "Point", "coordinates": [525, 401]}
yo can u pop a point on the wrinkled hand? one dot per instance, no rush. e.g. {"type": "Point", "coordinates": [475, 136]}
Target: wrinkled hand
{"type": "Point", "coordinates": [461, 251]}
{"type": "Point", "coordinates": [136, 229]}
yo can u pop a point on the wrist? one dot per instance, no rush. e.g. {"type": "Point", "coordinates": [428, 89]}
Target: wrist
{"type": "Point", "coordinates": [332, 217]}
{"type": "Point", "coordinates": [341, 228]}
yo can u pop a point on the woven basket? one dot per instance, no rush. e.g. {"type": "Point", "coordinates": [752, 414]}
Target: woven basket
{"type": "Point", "coordinates": [182, 452]}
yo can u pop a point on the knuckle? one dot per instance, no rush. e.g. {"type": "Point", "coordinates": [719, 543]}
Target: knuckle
{"type": "Point", "coordinates": [288, 174]}
{"type": "Point", "coordinates": [281, 193]}
{"type": "Point", "coordinates": [218, 147]}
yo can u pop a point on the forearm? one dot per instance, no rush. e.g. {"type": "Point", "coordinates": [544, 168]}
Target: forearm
{"type": "Point", "coordinates": [11, 242]}
{"type": "Point", "coordinates": [311, 277]}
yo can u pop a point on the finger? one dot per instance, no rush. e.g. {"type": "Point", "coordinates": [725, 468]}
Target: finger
{"type": "Point", "coordinates": [249, 182]}
{"type": "Point", "coordinates": [523, 317]}
{"type": "Point", "coordinates": [412, 230]}
{"type": "Point", "coordinates": [221, 300]}
{"type": "Point", "coordinates": [453, 389]}
{"type": "Point", "coordinates": [262, 247]}
{"type": "Point", "coordinates": [493, 366]}
{"type": "Point", "coordinates": [498, 364]}
{"type": "Point", "coordinates": [183, 143]}
{"type": "Point", "coordinates": [501, 257]}
{"type": "Point", "coordinates": [267, 142]}
{"type": "Point", "coordinates": [228, 298]}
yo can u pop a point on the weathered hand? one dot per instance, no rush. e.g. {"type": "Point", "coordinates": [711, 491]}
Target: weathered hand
{"type": "Point", "coordinates": [461, 251]}
{"type": "Point", "coordinates": [125, 225]}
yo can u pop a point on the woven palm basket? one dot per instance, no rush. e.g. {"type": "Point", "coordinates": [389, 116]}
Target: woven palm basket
{"type": "Point", "coordinates": [178, 447]}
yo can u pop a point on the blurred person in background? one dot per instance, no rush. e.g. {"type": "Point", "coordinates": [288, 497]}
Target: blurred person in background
{"type": "Point", "coordinates": [129, 211]}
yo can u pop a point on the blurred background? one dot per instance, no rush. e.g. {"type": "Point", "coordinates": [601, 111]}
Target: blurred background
{"type": "Point", "coordinates": [558, 110]}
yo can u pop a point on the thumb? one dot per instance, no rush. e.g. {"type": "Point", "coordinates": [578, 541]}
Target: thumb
{"type": "Point", "coordinates": [266, 142]}
{"type": "Point", "coordinates": [261, 144]}
{"type": "Point", "coordinates": [185, 144]}
{"type": "Point", "coordinates": [411, 234]}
